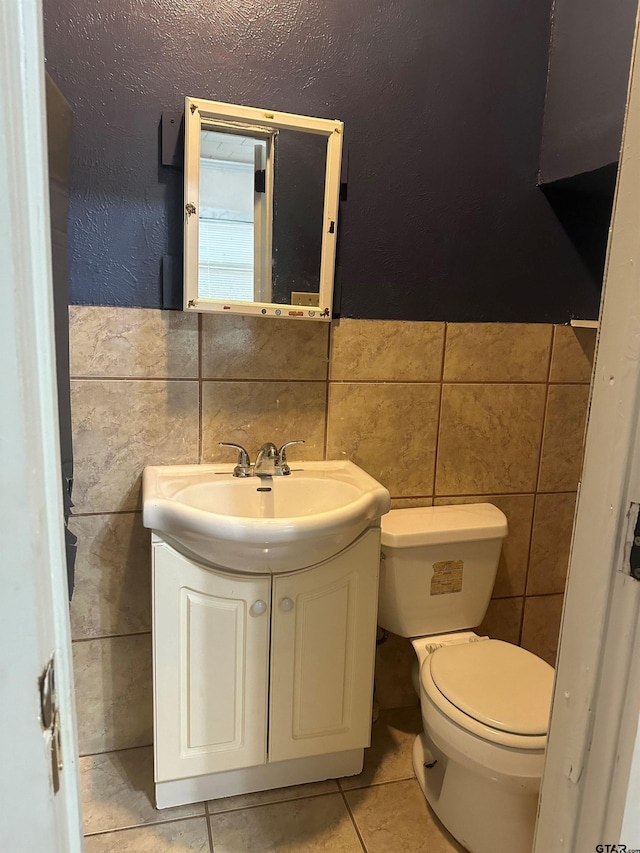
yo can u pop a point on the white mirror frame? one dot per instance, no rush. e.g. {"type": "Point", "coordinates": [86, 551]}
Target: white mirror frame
{"type": "Point", "coordinates": [199, 111]}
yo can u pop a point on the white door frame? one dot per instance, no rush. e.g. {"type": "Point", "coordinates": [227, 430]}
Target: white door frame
{"type": "Point", "coordinates": [593, 761]}
{"type": "Point", "coordinates": [34, 610]}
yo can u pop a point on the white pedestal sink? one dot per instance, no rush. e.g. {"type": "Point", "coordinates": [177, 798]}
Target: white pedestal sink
{"type": "Point", "coordinates": [261, 524]}
{"type": "Point", "coordinates": [265, 600]}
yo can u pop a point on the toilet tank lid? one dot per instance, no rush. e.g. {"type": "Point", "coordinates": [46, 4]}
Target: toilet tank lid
{"type": "Point", "coordinates": [437, 525]}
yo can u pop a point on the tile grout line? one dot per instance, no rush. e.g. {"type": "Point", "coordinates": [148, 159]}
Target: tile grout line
{"type": "Point", "coordinates": [383, 782]}
{"type": "Point", "coordinates": [535, 496]}
{"type": "Point", "coordinates": [121, 749]}
{"type": "Point", "coordinates": [295, 379]}
{"type": "Point", "coordinates": [146, 633]}
{"type": "Point", "coordinates": [325, 449]}
{"type": "Point", "coordinates": [523, 596]}
{"type": "Point", "coordinates": [283, 380]}
{"type": "Point", "coordinates": [529, 551]}
{"type": "Point", "coordinates": [124, 378]}
{"type": "Point", "coordinates": [439, 416]}
{"type": "Point", "coordinates": [353, 821]}
{"type": "Point", "coordinates": [502, 494]}
{"type": "Point", "coordinates": [425, 381]}
{"type": "Point", "coordinates": [209, 829]}
{"type": "Point", "coordinates": [154, 823]}
{"type": "Point", "coordinates": [231, 379]}
{"type": "Point", "coordinates": [252, 806]}
{"type": "Point", "coordinates": [106, 512]}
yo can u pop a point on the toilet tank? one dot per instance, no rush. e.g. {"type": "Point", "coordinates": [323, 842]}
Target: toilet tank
{"type": "Point", "coordinates": [438, 567]}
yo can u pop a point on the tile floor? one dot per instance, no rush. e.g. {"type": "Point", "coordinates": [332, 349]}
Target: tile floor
{"type": "Point", "coordinates": [380, 811]}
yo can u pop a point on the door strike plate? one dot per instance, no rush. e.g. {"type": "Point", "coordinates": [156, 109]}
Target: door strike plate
{"type": "Point", "coordinates": [50, 721]}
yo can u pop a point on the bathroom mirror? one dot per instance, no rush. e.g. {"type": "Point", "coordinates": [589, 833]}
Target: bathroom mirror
{"type": "Point", "coordinates": [261, 192]}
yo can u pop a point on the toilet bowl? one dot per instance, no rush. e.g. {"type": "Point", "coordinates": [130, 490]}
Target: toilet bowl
{"type": "Point", "coordinates": [485, 703]}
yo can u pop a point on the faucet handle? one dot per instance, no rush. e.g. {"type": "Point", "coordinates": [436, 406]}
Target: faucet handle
{"type": "Point", "coordinates": [282, 455]}
{"type": "Point", "coordinates": [243, 468]}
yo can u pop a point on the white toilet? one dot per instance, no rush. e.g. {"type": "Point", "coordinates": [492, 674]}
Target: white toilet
{"type": "Point", "coordinates": [485, 703]}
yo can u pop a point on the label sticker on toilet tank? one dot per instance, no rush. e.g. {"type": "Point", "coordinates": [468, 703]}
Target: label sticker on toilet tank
{"type": "Point", "coordinates": [447, 577]}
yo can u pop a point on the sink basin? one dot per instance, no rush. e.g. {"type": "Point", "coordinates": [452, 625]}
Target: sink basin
{"type": "Point", "coordinates": [269, 524]}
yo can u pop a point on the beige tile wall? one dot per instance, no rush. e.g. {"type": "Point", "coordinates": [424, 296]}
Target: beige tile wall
{"type": "Point", "coordinates": [439, 413]}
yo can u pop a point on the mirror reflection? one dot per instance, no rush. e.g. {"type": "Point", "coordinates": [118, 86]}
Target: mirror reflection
{"type": "Point", "coordinates": [234, 245]}
{"type": "Point", "coordinates": [265, 190]}
{"type": "Point", "coordinates": [297, 217]}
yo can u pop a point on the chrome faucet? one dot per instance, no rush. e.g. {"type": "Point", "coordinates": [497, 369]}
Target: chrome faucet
{"type": "Point", "coordinates": [266, 460]}
{"type": "Point", "coordinates": [270, 462]}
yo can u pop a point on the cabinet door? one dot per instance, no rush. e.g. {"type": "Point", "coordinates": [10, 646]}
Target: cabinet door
{"type": "Point", "coordinates": [210, 656]}
{"type": "Point", "coordinates": [323, 642]}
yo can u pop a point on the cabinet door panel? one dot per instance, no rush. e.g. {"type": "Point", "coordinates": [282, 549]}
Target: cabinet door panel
{"type": "Point", "coordinates": [329, 673]}
{"type": "Point", "coordinates": [323, 652]}
{"type": "Point", "coordinates": [210, 668]}
{"type": "Point", "coordinates": [211, 687]}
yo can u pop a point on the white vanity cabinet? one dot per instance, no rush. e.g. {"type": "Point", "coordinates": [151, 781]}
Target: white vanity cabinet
{"type": "Point", "coordinates": [259, 680]}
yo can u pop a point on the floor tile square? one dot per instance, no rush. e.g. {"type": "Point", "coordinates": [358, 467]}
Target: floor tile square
{"type": "Point", "coordinates": [316, 825]}
{"type": "Point", "coordinates": [396, 817]}
{"type": "Point", "coordinates": [180, 836]}
{"type": "Point", "coordinates": [389, 757]}
{"type": "Point", "coordinates": [276, 795]}
{"type": "Point", "coordinates": [117, 791]}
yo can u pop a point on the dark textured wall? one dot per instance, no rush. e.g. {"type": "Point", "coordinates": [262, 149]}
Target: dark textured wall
{"type": "Point", "coordinates": [443, 105]}
{"type": "Point", "coordinates": [589, 60]}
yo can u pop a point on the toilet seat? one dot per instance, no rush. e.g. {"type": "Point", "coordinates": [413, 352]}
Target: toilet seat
{"type": "Point", "coordinates": [492, 689]}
